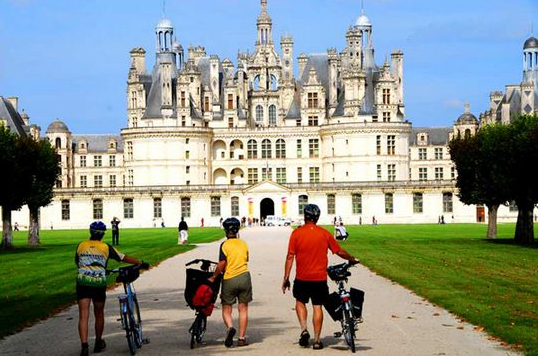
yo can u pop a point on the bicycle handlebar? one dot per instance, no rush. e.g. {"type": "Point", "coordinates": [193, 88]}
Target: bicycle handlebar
{"type": "Point", "coordinates": [144, 265]}
{"type": "Point", "coordinates": [198, 260]}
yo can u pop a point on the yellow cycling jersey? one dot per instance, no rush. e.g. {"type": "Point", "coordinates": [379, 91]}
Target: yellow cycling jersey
{"type": "Point", "coordinates": [91, 258]}
{"type": "Point", "coordinates": [235, 253]}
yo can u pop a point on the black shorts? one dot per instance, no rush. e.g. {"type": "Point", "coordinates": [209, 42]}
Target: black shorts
{"type": "Point", "coordinates": [318, 291]}
{"type": "Point", "coordinates": [97, 294]}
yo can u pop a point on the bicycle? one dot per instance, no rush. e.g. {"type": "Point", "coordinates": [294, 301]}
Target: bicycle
{"type": "Point", "coordinates": [130, 318]}
{"type": "Point", "coordinates": [201, 301]}
{"type": "Point", "coordinates": [345, 306]}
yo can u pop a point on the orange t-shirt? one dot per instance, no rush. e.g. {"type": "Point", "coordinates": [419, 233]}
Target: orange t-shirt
{"type": "Point", "coordinates": [309, 244]}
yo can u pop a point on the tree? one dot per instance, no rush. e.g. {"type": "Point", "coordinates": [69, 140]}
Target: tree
{"type": "Point", "coordinates": [45, 171]}
{"type": "Point", "coordinates": [482, 178]}
{"type": "Point", "coordinates": [14, 180]}
{"type": "Point", "coordinates": [523, 155]}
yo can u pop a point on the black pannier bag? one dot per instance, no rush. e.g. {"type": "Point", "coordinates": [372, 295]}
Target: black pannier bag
{"type": "Point", "coordinates": [128, 274]}
{"type": "Point", "coordinates": [357, 299]}
{"type": "Point", "coordinates": [195, 278]}
{"type": "Point", "coordinates": [333, 305]}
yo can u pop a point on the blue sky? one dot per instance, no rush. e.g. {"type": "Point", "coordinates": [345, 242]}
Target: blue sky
{"type": "Point", "coordinates": [69, 59]}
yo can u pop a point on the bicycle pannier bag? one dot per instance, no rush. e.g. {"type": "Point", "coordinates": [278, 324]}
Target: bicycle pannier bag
{"type": "Point", "coordinates": [203, 296]}
{"type": "Point", "coordinates": [357, 299]}
{"type": "Point", "coordinates": [333, 305]}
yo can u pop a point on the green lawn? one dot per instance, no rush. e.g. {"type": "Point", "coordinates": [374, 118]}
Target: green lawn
{"type": "Point", "coordinates": [490, 283]}
{"type": "Point", "coordinates": [37, 282]}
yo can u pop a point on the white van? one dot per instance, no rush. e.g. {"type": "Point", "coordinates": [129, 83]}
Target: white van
{"type": "Point", "coordinates": [272, 220]}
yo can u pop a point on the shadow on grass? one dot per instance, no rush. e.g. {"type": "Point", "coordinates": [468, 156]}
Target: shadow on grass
{"type": "Point", "coordinates": [511, 242]}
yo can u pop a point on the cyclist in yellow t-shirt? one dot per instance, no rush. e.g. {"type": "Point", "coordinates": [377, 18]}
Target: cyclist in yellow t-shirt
{"type": "Point", "coordinates": [236, 283]}
{"type": "Point", "coordinates": [92, 258]}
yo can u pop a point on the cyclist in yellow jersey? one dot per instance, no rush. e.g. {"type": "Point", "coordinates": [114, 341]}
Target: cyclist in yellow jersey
{"type": "Point", "coordinates": [91, 258]}
{"type": "Point", "coordinates": [236, 283]}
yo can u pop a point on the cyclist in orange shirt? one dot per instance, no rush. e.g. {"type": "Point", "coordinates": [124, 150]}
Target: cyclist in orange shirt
{"type": "Point", "coordinates": [308, 246]}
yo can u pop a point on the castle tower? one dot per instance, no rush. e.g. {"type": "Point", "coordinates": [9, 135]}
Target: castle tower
{"type": "Point", "coordinates": [530, 60]}
{"type": "Point", "coordinates": [265, 27]}
{"type": "Point", "coordinates": [286, 43]}
{"type": "Point", "coordinates": [164, 33]}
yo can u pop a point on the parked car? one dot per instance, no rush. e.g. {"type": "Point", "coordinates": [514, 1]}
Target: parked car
{"type": "Point", "coordinates": [272, 220]}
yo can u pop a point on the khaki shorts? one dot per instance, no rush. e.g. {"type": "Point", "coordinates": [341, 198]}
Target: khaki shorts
{"type": "Point", "coordinates": [239, 287]}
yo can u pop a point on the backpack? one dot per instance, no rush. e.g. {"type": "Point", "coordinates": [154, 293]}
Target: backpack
{"type": "Point", "coordinates": [203, 296]}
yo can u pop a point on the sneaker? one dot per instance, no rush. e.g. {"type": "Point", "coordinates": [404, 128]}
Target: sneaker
{"type": "Point", "coordinates": [304, 338]}
{"type": "Point", "coordinates": [318, 345]}
{"type": "Point", "coordinates": [100, 345]}
{"type": "Point", "coordinates": [242, 342]}
{"type": "Point", "coordinates": [84, 350]}
{"type": "Point", "coordinates": [230, 338]}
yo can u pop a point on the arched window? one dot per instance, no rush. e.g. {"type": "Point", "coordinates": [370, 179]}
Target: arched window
{"type": "Point", "coordinates": [252, 149]}
{"type": "Point", "coordinates": [256, 83]}
{"type": "Point", "coordinates": [272, 115]}
{"type": "Point", "coordinates": [467, 133]}
{"type": "Point", "coordinates": [266, 148]}
{"type": "Point", "coordinates": [274, 83]}
{"type": "Point", "coordinates": [259, 114]}
{"type": "Point", "coordinates": [58, 142]}
{"type": "Point", "coordinates": [280, 148]}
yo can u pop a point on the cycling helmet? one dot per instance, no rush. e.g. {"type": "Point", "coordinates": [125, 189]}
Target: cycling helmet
{"type": "Point", "coordinates": [231, 225]}
{"type": "Point", "coordinates": [97, 228]}
{"type": "Point", "coordinates": [311, 212]}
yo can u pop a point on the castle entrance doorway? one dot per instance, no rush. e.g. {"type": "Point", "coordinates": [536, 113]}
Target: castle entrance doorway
{"type": "Point", "coordinates": [267, 207]}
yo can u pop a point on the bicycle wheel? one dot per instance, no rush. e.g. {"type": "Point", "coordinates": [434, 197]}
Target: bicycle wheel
{"type": "Point", "coordinates": [349, 330]}
{"type": "Point", "coordinates": [196, 329]}
{"type": "Point", "coordinates": [137, 330]}
{"type": "Point", "coordinates": [201, 328]}
{"type": "Point", "coordinates": [129, 330]}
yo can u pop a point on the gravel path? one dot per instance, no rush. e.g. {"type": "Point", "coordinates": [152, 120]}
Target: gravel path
{"type": "Point", "coordinates": [396, 321]}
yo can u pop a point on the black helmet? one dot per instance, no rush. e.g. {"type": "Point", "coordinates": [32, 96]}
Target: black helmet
{"type": "Point", "coordinates": [97, 228]}
{"type": "Point", "coordinates": [311, 212]}
{"type": "Point", "coordinates": [231, 225]}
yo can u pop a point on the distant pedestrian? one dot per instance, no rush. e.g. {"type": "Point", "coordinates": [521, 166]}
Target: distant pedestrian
{"type": "Point", "coordinates": [183, 234]}
{"type": "Point", "coordinates": [16, 226]}
{"type": "Point", "coordinates": [162, 223]}
{"type": "Point", "coordinates": [202, 222]}
{"type": "Point", "coordinates": [115, 231]}
{"type": "Point", "coordinates": [220, 221]}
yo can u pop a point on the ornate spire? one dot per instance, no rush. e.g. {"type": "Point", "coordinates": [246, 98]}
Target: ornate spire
{"type": "Point", "coordinates": [264, 5]}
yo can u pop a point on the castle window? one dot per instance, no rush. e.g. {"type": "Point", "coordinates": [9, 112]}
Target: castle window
{"type": "Point", "coordinates": [83, 161]}
{"type": "Point", "coordinates": [299, 148]}
{"type": "Point", "coordinates": [386, 96]}
{"type": "Point", "coordinates": [356, 203]}
{"type": "Point", "coordinates": [422, 154]}
{"type": "Point", "coordinates": [186, 207]}
{"type": "Point", "coordinates": [386, 116]}
{"type": "Point", "coordinates": [83, 181]}
{"type": "Point", "coordinates": [252, 175]}
{"type": "Point", "coordinates": [58, 142]}
{"type": "Point", "coordinates": [312, 100]}
{"type": "Point", "coordinates": [417, 203]}
{"type": "Point", "coordinates": [259, 114]}
{"type": "Point", "coordinates": [235, 206]}
{"type": "Point", "coordinates": [379, 177]}
{"type": "Point", "coordinates": [97, 161]}
{"type": "Point", "coordinates": [314, 174]}
{"type": "Point", "coordinates": [183, 101]}
{"type": "Point", "coordinates": [215, 206]}
{"type": "Point", "coordinates": [439, 173]}
{"type": "Point", "coordinates": [281, 175]}
{"type": "Point", "coordinates": [312, 121]}
{"type": "Point", "coordinates": [447, 203]}
{"type": "Point", "coordinates": [331, 209]}
{"type": "Point", "coordinates": [128, 208]}
{"type": "Point", "coordinates": [391, 172]}
{"type": "Point", "coordinates": [252, 149]}
{"type": "Point", "coordinates": [313, 148]}
{"type": "Point", "coordinates": [272, 115]}
{"type": "Point", "coordinates": [298, 121]}
{"type": "Point", "coordinates": [299, 174]}
{"type": "Point", "coordinates": [206, 103]}
{"type": "Point", "coordinates": [391, 144]}
{"type": "Point", "coordinates": [438, 152]}
{"type": "Point", "coordinates": [267, 173]}
{"type": "Point", "coordinates": [230, 101]}
{"type": "Point", "coordinates": [97, 209]}
{"type": "Point", "coordinates": [280, 148]}
{"type": "Point", "coordinates": [266, 149]}
{"type": "Point", "coordinates": [66, 215]}
{"type": "Point", "coordinates": [423, 174]}
{"type": "Point", "coordinates": [378, 144]}
{"type": "Point", "coordinates": [98, 181]}
{"type": "Point", "coordinates": [112, 180]}
{"type": "Point", "coordinates": [157, 208]}
{"type": "Point", "coordinates": [230, 122]}
{"type": "Point", "coordinates": [112, 161]}
{"type": "Point", "coordinates": [303, 200]}
{"type": "Point", "coordinates": [389, 203]}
